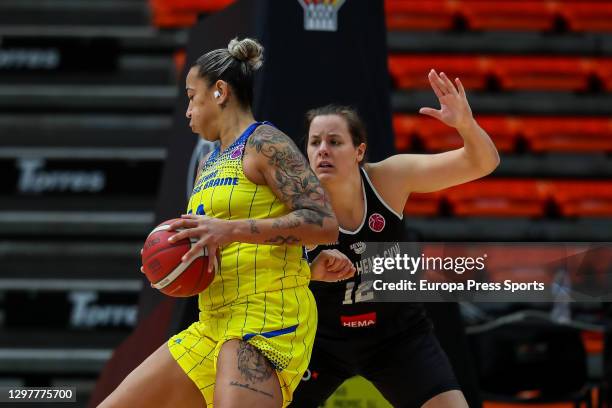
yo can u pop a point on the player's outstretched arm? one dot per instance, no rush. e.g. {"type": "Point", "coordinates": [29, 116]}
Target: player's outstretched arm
{"type": "Point", "coordinates": [423, 173]}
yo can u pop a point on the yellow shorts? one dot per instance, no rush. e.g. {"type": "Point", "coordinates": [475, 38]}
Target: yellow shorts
{"type": "Point", "coordinates": [280, 324]}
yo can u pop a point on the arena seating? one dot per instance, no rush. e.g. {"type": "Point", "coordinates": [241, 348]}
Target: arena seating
{"type": "Point", "coordinates": [509, 15]}
{"type": "Point", "coordinates": [423, 204]}
{"type": "Point", "coordinates": [419, 15]}
{"type": "Point", "coordinates": [536, 133]}
{"type": "Point", "coordinates": [579, 198]}
{"type": "Point", "coordinates": [407, 70]}
{"type": "Point", "coordinates": [515, 58]}
{"type": "Point", "coordinates": [525, 198]}
{"type": "Point", "coordinates": [181, 13]}
{"type": "Point", "coordinates": [510, 72]}
{"type": "Point", "coordinates": [501, 15]}
{"type": "Point", "coordinates": [435, 136]}
{"type": "Point", "coordinates": [604, 73]}
{"type": "Point", "coordinates": [585, 16]}
{"type": "Point", "coordinates": [539, 74]}
{"type": "Point", "coordinates": [520, 198]}
{"type": "Point", "coordinates": [87, 90]}
{"type": "Point", "coordinates": [477, 15]}
{"type": "Point", "coordinates": [567, 134]}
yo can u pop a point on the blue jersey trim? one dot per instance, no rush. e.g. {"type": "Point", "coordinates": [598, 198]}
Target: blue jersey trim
{"type": "Point", "coordinates": [213, 156]}
{"type": "Point", "coordinates": [269, 334]}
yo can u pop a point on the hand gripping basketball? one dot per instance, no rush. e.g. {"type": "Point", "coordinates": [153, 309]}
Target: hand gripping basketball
{"type": "Point", "coordinates": [165, 268]}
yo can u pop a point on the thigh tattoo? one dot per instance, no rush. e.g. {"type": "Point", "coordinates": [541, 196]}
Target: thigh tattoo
{"type": "Point", "coordinates": [253, 366]}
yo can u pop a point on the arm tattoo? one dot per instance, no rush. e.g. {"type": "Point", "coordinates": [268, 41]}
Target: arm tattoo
{"type": "Point", "coordinates": [286, 223]}
{"type": "Point", "coordinates": [253, 366]}
{"type": "Point", "coordinates": [279, 239]}
{"type": "Point", "coordinates": [297, 185]}
{"type": "Point", "coordinates": [254, 229]}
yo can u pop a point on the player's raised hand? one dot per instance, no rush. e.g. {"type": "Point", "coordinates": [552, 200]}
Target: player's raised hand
{"type": "Point", "coordinates": [331, 266]}
{"type": "Point", "coordinates": [454, 109]}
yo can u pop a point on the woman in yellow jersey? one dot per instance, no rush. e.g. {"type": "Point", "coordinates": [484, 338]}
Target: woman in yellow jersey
{"type": "Point", "coordinates": [257, 200]}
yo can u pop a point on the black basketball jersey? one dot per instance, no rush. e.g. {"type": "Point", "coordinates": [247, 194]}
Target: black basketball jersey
{"type": "Point", "coordinates": [346, 308]}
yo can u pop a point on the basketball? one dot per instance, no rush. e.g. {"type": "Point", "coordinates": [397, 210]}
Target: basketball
{"type": "Point", "coordinates": [162, 264]}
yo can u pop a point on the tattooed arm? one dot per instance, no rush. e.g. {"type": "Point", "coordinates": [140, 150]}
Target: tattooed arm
{"type": "Point", "coordinates": [277, 162]}
{"type": "Point", "coordinates": [270, 158]}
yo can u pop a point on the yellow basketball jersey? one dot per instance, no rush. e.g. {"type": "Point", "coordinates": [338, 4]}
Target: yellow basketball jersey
{"type": "Point", "coordinates": [223, 191]}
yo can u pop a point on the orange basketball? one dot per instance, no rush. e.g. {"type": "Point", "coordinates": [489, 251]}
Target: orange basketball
{"type": "Point", "coordinates": [161, 261]}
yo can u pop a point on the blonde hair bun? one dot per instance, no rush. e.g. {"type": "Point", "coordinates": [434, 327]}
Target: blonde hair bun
{"type": "Point", "coordinates": [247, 50]}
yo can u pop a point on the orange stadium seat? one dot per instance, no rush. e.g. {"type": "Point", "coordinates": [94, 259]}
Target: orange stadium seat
{"type": "Point", "coordinates": [163, 18]}
{"type": "Point", "coordinates": [593, 342]}
{"type": "Point", "coordinates": [423, 204]}
{"type": "Point", "coordinates": [564, 134]}
{"type": "Point", "coordinates": [419, 15]}
{"type": "Point", "coordinates": [179, 57]}
{"type": "Point", "coordinates": [551, 73]}
{"type": "Point", "coordinates": [509, 15]}
{"type": "Point", "coordinates": [587, 15]}
{"type": "Point", "coordinates": [535, 262]}
{"type": "Point", "coordinates": [183, 13]}
{"type": "Point", "coordinates": [513, 72]}
{"type": "Point", "coordinates": [603, 70]}
{"type": "Point", "coordinates": [503, 131]}
{"type": "Point", "coordinates": [583, 198]}
{"type": "Point", "coordinates": [514, 15]}
{"type": "Point", "coordinates": [586, 264]}
{"type": "Point", "coordinates": [207, 6]}
{"type": "Point", "coordinates": [404, 128]}
{"type": "Point", "coordinates": [437, 137]}
{"type": "Point", "coordinates": [410, 71]}
{"type": "Point", "coordinates": [498, 198]}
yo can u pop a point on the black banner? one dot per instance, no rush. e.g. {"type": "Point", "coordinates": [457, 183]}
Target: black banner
{"type": "Point", "coordinates": [307, 68]}
{"type": "Point", "coordinates": [58, 54]}
{"type": "Point", "coordinates": [73, 310]}
{"type": "Point", "coordinates": [38, 177]}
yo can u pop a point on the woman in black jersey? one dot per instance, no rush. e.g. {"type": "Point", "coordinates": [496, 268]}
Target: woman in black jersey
{"type": "Point", "coordinates": [390, 344]}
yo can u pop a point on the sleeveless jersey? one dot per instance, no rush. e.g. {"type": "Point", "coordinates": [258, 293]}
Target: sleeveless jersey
{"type": "Point", "coordinates": [345, 308]}
{"type": "Point", "coordinates": [223, 191]}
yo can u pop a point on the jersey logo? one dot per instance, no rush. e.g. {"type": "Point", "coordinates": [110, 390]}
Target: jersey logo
{"type": "Point", "coordinates": [237, 152]}
{"type": "Point", "coordinates": [358, 247]}
{"type": "Point", "coordinates": [376, 222]}
{"type": "Point", "coordinates": [357, 321]}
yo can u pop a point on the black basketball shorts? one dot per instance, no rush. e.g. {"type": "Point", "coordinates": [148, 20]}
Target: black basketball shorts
{"type": "Point", "coordinates": [407, 370]}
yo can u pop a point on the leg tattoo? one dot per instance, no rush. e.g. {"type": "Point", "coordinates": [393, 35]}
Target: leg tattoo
{"type": "Point", "coordinates": [254, 368]}
{"type": "Point", "coordinates": [252, 364]}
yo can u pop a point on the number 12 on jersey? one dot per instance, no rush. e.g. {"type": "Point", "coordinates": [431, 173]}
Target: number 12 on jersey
{"type": "Point", "coordinates": [363, 293]}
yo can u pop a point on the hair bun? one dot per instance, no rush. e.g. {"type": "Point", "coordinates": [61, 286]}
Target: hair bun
{"type": "Point", "coordinates": [247, 50]}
